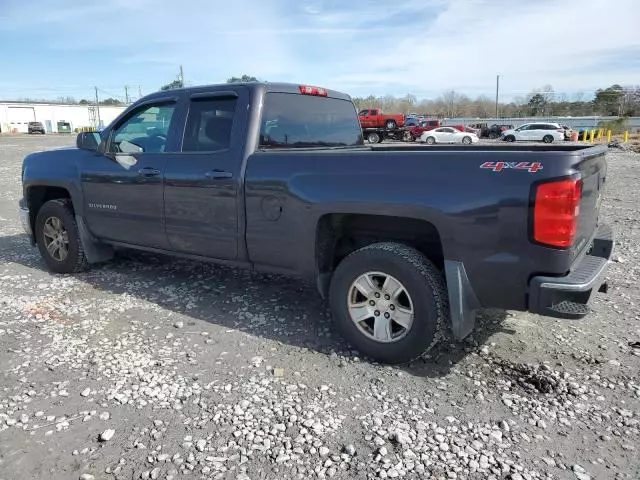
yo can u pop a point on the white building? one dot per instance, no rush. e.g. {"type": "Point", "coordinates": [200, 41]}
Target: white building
{"type": "Point", "coordinates": [15, 116]}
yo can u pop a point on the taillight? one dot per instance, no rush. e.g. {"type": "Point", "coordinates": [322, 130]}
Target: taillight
{"type": "Point", "coordinates": [555, 212]}
{"type": "Point", "coordinates": [318, 92]}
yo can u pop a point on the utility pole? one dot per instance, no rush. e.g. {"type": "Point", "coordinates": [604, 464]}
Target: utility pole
{"type": "Point", "coordinates": [497, 92]}
{"type": "Point", "coordinates": [181, 77]}
{"type": "Point", "coordinates": [98, 107]}
{"type": "Point", "coordinates": [126, 94]}
{"type": "Point", "coordinates": [139, 91]}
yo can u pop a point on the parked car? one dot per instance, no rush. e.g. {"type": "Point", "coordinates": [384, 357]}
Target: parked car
{"type": "Point", "coordinates": [424, 126]}
{"type": "Point", "coordinates": [276, 177]}
{"type": "Point", "coordinates": [535, 132]}
{"type": "Point", "coordinates": [375, 118]}
{"type": "Point", "coordinates": [411, 122]}
{"type": "Point", "coordinates": [35, 127]}
{"type": "Point", "coordinates": [468, 129]}
{"type": "Point", "coordinates": [496, 130]}
{"type": "Point", "coordinates": [448, 135]}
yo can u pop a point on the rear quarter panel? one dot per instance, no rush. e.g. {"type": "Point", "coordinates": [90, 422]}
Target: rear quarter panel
{"type": "Point", "coordinates": [482, 215]}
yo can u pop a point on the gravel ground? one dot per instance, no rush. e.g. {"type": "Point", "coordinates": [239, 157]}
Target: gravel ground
{"type": "Point", "coordinates": [149, 367]}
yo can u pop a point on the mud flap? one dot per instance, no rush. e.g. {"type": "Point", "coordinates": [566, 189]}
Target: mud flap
{"type": "Point", "coordinates": [95, 251]}
{"type": "Point", "coordinates": [462, 299]}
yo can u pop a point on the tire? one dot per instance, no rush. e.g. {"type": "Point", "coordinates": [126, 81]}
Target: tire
{"type": "Point", "coordinates": [430, 140]}
{"type": "Point", "coordinates": [62, 210]}
{"type": "Point", "coordinates": [547, 139]}
{"type": "Point", "coordinates": [425, 290]}
{"type": "Point", "coordinates": [373, 137]}
{"type": "Point", "coordinates": [467, 140]}
{"type": "Point", "coordinates": [407, 137]}
{"type": "Point", "coordinates": [391, 124]}
{"type": "Point", "coordinates": [509, 138]}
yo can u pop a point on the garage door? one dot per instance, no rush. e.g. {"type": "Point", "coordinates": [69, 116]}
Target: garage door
{"type": "Point", "coordinates": [19, 118]}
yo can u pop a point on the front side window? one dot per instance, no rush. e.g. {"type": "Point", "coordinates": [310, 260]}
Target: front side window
{"type": "Point", "coordinates": [209, 125]}
{"type": "Point", "coordinates": [146, 131]}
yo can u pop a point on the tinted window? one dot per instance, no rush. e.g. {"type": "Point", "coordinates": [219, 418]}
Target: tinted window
{"type": "Point", "coordinates": [145, 131]}
{"type": "Point", "coordinates": [296, 121]}
{"type": "Point", "coordinates": [209, 125]}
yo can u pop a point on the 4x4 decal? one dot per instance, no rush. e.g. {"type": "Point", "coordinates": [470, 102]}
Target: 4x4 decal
{"type": "Point", "coordinates": [531, 167]}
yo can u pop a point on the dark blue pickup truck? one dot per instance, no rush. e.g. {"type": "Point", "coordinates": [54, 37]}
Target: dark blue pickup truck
{"type": "Point", "coordinates": [402, 240]}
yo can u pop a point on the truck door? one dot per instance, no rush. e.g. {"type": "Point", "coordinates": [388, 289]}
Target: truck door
{"type": "Point", "coordinates": [202, 181]}
{"type": "Point", "coordinates": [122, 184]}
{"type": "Point", "coordinates": [362, 116]}
{"type": "Point", "coordinates": [368, 119]}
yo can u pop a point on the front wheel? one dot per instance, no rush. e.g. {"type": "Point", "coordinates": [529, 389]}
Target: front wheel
{"type": "Point", "coordinates": [509, 138]}
{"type": "Point", "coordinates": [58, 239]}
{"type": "Point", "coordinates": [389, 301]}
{"type": "Point", "coordinates": [431, 140]}
{"type": "Point", "coordinates": [373, 137]}
{"type": "Point", "coordinates": [547, 139]}
{"type": "Point", "coordinates": [466, 140]}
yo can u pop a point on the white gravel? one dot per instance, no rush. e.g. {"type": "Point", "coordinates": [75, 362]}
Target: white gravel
{"type": "Point", "coordinates": [155, 368]}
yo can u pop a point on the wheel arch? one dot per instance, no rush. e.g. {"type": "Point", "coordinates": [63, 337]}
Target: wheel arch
{"type": "Point", "coordinates": [339, 234]}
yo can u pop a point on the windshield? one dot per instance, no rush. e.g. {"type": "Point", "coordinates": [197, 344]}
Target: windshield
{"type": "Point", "coordinates": [301, 121]}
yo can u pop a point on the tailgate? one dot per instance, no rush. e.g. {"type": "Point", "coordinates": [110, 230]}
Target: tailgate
{"type": "Point", "coordinates": [593, 169]}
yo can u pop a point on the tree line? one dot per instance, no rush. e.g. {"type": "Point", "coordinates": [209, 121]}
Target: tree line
{"type": "Point", "coordinates": [615, 100]}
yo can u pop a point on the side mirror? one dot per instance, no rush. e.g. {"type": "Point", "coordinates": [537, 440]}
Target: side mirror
{"type": "Point", "coordinates": [88, 141]}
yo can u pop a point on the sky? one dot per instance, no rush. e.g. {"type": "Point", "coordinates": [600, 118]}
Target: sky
{"type": "Point", "coordinates": [53, 48]}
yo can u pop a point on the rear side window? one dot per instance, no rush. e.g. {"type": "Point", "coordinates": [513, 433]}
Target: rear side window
{"type": "Point", "coordinates": [209, 125]}
{"type": "Point", "coordinates": [301, 121]}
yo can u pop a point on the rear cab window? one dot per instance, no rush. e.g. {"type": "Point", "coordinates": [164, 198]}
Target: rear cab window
{"type": "Point", "coordinates": [209, 124]}
{"type": "Point", "coordinates": [293, 120]}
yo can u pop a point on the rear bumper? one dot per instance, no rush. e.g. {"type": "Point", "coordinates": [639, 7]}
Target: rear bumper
{"type": "Point", "coordinates": [568, 296]}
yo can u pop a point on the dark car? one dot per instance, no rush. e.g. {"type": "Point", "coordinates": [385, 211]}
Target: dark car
{"type": "Point", "coordinates": [403, 241]}
{"type": "Point", "coordinates": [36, 127]}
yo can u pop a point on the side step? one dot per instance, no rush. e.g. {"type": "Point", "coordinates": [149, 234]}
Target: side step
{"type": "Point", "coordinates": [569, 309]}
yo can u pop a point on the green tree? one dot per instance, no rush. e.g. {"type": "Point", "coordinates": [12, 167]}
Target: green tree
{"type": "Point", "coordinates": [242, 79]}
{"type": "Point", "coordinates": [609, 101]}
{"type": "Point", "coordinates": [537, 103]}
{"type": "Point", "coordinates": [111, 101]}
{"type": "Point", "coordinates": [177, 83]}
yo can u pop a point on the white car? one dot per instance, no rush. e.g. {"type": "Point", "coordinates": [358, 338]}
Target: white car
{"type": "Point", "coordinates": [535, 132]}
{"type": "Point", "coordinates": [448, 135]}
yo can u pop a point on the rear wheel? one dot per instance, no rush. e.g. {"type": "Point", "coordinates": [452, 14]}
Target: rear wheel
{"type": "Point", "coordinates": [391, 124]}
{"type": "Point", "coordinates": [467, 140]}
{"type": "Point", "coordinates": [547, 139]}
{"type": "Point", "coordinates": [389, 301]}
{"type": "Point", "coordinates": [58, 239]}
{"type": "Point", "coordinates": [373, 137]}
{"type": "Point", "coordinates": [431, 140]}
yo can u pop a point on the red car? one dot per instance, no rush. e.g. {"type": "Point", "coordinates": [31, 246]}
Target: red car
{"type": "Point", "coordinates": [374, 118]}
{"type": "Point", "coordinates": [422, 127]}
{"type": "Point", "coordinates": [464, 128]}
